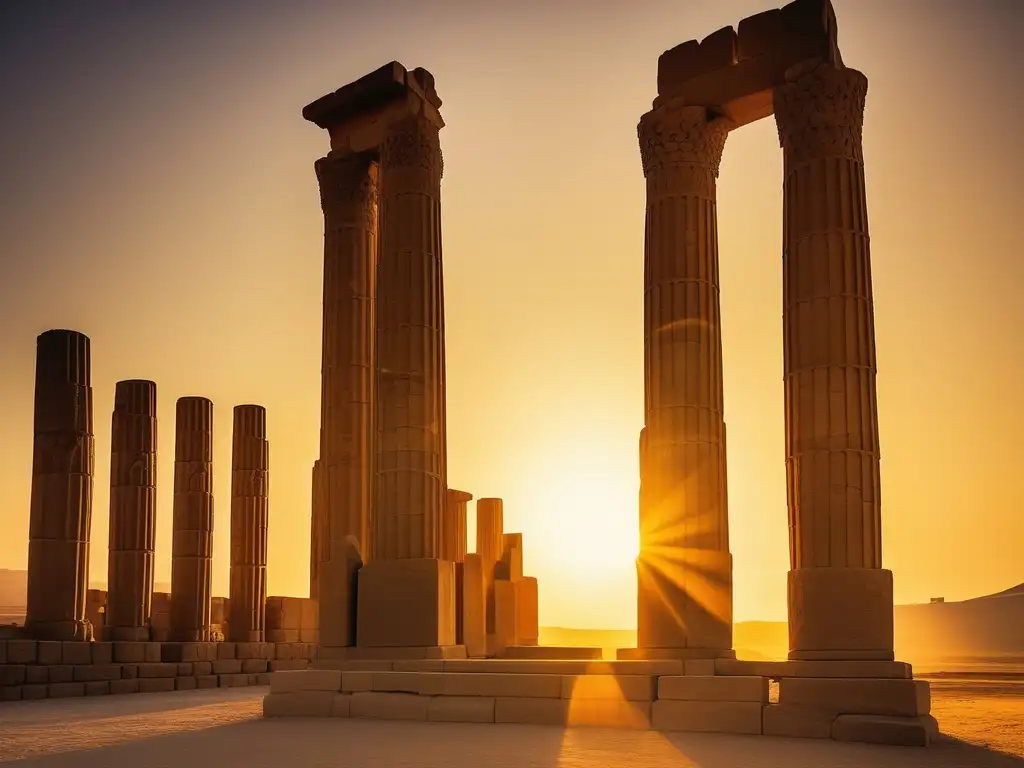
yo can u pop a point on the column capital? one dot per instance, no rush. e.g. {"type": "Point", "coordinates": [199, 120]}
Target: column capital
{"type": "Point", "coordinates": [675, 135]}
{"type": "Point", "coordinates": [819, 112]}
{"type": "Point", "coordinates": [415, 144]}
{"type": "Point", "coordinates": [348, 186]}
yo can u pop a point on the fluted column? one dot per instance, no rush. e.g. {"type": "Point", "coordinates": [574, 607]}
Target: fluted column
{"type": "Point", "coordinates": [192, 526]}
{"type": "Point", "coordinates": [684, 570]}
{"type": "Point", "coordinates": [62, 482]}
{"type": "Point", "coordinates": [132, 511]}
{"type": "Point", "coordinates": [840, 598]}
{"type": "Point", "coordinates": [410, 471]}
{"type": "Point", "coordinates": [453, 525]}
{"type": "Point", "coordinates": [249, 515]}
{"type": "Point", "coordinates": [490, 528]}
{"type": "Point", "coordinates": [348, 196]}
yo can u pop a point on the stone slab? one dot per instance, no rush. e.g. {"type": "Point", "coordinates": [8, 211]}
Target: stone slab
{"type": "Point", "coordinates": [206, 681]}
{"type": "Point", "coordinates": [876, 729]}
{"type": "Point", "coordinates": [461, 709]}
{"type": "Point", "coordinates": [609, 687]}
{"type": "Point", "coordinates": [49, 652]}
{"type": "Point", "coordinates": [406, 603]}
{"type": "Point", "coordinates": [65, 690]}
{"type": "Point", "coordinates": [498, 684]}
{"type": "Point", "coordinates": [374, 705]}
{"type": "Point", "coordinates": [156, 684]}
{"type": "Point", "coordinates": [124, 686]}
{"type": "Point", "coordinates": [158, 669]}
{"type": "Point", "coordinates": [566, 667]}
{"type": "Point", "coordinates": [680, 654]}
{"type": "Point", "coordinates": [857, 696]}
{"type": "Point", "coordinates": [425, 683]}
{"type": "Point", "coordinates": [707, 716]}
{"type": "Point", "coordinates": [777, 670]}
{"type": "Point", "coordinates": [288, 681]}
{"type": "Point", "coordinates": [609, 713]}
{"type": "Point", "coordinates": [21, 651]}
{"type": "Point", "coordinates": [392, 653]}
{"type": "Point", "coordinates": [97, 688]}
{"type": "Point", "coordinates": [531, 711]}
{"type": "Point", "coordinates": [185, 684]}
{"type": "Point", "coordinates": [703, 688]}
{"type": "Point", "coordinates": [796, 722]}
{"type": "Point", "coordinates": [554, 652]}
{"type": "Point", "coordinates": [357, 681]}
{"type": "Point", "coordinates": [308, 703]}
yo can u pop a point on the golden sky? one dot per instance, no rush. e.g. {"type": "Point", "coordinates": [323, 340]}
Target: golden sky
{"type": "Point", "coordinates": [158, 194]}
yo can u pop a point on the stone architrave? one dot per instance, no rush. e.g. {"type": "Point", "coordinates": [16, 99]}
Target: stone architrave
{"type": "Point", "coordinates": [250, 456]}
{"type": "Point", "coordinates": [132, 511]}
{"type": "Point", "coordinates": [62, 483]}
{"type": "Point", "coordinates": [489, 532]}
{"type": "Point", "coordinates": [192, 526]}
{"type": "Point", "coordinates": [684, 570]}
{"type": "Point", "coordinates": [453, 525]}
{"type": "Point", "coordinates": [840, 597]}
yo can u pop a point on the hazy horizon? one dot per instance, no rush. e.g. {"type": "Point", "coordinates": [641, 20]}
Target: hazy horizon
{"type": "Point", "coordinates": [160, 197]}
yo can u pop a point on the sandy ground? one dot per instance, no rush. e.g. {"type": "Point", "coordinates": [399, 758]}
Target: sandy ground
{"type": "Point", "coordinates": [223, 728]}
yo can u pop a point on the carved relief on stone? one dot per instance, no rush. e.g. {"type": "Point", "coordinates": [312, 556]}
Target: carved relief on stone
{"type": "Point", "coordinates": [820, 113]}
{"type": "Point", "coordinates": [674, 135]}
{"type": "Point", "coordinates": [348, 189]}
{"type": "Point", "coordinates": [414, 144]}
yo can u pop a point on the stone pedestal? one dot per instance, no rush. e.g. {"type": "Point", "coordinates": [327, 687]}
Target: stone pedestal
{"type": "Point", "coordinates": [192, 531]}
{"type": "Point", "coordinates": [132, 511]}
{"type": "Point", "coordinates": [832, 453]}
{"type": "Point", "coordinates": [249, 516]}
{"type": "Point", "coordinates": [453, 525]}
{"type": "Point", "coordinates": [684, 513]}
{"type": "Point", "coordinates": [407, 602]}
{"type": "Point", "coordinates": [410, 489]}
{"type": "Point", "coordinates": [62, 483]}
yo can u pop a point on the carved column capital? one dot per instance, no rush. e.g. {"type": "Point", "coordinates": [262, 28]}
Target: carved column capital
{"type": "Point", "coordinates": [349, 188]}
{"type": "Point", "coordinates": [820, 113]}
{"type": "Point", "coordinates": [414, 145]}
{"type": "Point", "coordinates": [672, 136]}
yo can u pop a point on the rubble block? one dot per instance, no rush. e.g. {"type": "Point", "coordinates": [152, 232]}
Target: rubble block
{"type": "Point", "coordinates": [406, 603]}
{"type": "Point", "coordinates": [473, 608]}
{"type": "Point", "coordinates": [878, 729]}
{"type": "Point", "coordinates": [777, 670]}
{"type": "Point", "coordinates": [527, 616]}
{"type": "Point", "coordinates": [857, 696]}
{"type": "Point", "coordinates": [796, 722]}
{"type": "Point", "coordinates": [703, 688]}
{"type": "Point", "coordinates": [156, 684]}
{"type": "Point", "coordinates": [614, 687]}
{"type": "Point", "coordinates": [707, 716]}
{"type": "Point", "coordinates": [553, 652]}
{"type": "Point", "coordinates": [298, 703]}
{"type": "Point", "coordinates": [388, 706]}
{"type": "Point", "coordinates": [305, 680]}
{"type": "Point", "coordinates": [461, 709]}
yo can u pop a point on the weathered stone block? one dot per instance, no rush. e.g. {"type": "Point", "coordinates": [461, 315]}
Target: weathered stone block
{"type": "Point", "coordinates": [555, 652]}
{"type": "Point", "coordinates": [527, 615]}
{"type": "Point", "coordinates": [185, 669]}
{"type": "Point", "coordinates": [388, 706]}
{"type": "Point", "coordinates": [97, 688]}
{"type": "Point", "coordinates": [155, 684]}
{"type": "Point", "coordinates": [102, 652]}
{"type": "Point", "coordinates": [34, 692]}
{"type": "Point", "coordinates": [158, 670]}
{"type": "Point", "coordinates": [907, 698]}
{"type": "Point", "coordinates": [287, 664]}
{"type": "Point", "coordinates": [418, 665]}
{"type": "Point", "coordinates": [124, 686]}
{"type": "Point", "coordinates": [461, 709]}
{"type": "Point", "coordinates": [226, 651]}
{"type": "Point", "coordinates": [406, 603]}
{"type": "Point", "coordinates": [501, 685]}
{"type": "Point", "coordinates": [76, 652]}
{"type": "Point", "coordinates": [609, 713]}
{"type": "Point", "coordinates": [3, 651]}
{"type": "Point", "coordinates": [310, 703]}
{"type": "Point", "coordinates": [699, 667]}
{"type": "Point", "coordinates": [779, 669]}
{"type": "Point", "coordinates": [61, 673]}
{"type": "Point", "coordinates": [235, 680]}
{"type": "Point", "coordinates": [97, 672]}
{"type": "Point", "coordinates": [505, 613]}
{"type": "Point", "coordinates": [49, 652]}
{"type": "Point", "coordinates": [306, 680]}
{"type": "Point", "coordinates": [707, 716]}
{"type": "Point", "coordinates": [206, 681]}
{"type": "Point", "coordinates": [356, 681]}
{"type": "Point", "coordinates": [202, 668]}
{"type": "Point", "coordinates": [227, 666]}
{"type": "Point", "coordinates": [21, 651]}
{"type": "Point", "coordinates": [188, 652]}
{"type": "Point", "coordinates": [425, 683]}
{"type": "Point", "coordinates": [702, 688]}
{"type": "Point", "coordinates": [796, 722]}
{"type": "Point", "coordinates": [185, 684]}
{"type": "Point", "coordinates": [152, 652]}
{"type": "Point", "coordinates": [37, 675]}
{"type": "Point", "coordinates": [254, 666]}
{"type": "Point", "coordinates": [875, 729]}
{"type": "Point", "coordinates": [12, 674]}
{"type": "Point", "coordinates": [690, 59]}
{"type": "Point", "coordinates": [532, 711]}
{"type": "Point", "coordinates": [510, 567]}
{"type": "Point", "coordinates": [65, 690]}
{"type": "Point", "coordinates": [614, 687]}
{"type": "Point", "coordinates": [10, 693]}
{"type": "Point", "coordinates": [262, 678]}
{"type": "Point", "coordinates": [129, 652]}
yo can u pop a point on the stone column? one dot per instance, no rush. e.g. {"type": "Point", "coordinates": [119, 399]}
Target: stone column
{"type": "Point", "coordinates": [249, 514]}
{"type": "Point", "coordinates": [840, 598]}
{"type": "Point", "coordinates": [315, 535]}
{"type": "Point", "coordinates": [453, 525]}
{"type": "Point", "coordinates": [684, 571]}
{"type": "Point", "coordinates": [343, 477]}
{"type": "Point", "coordinates": [192, 543]}
{"type": "Point", "coordinates": [410, 488]}
{"type": "Point", "coordinates": [62, 481]}
{"type": "Point", "coordinates": [132, 511]}
{"type": "Point", "coordinates": [490, 526]}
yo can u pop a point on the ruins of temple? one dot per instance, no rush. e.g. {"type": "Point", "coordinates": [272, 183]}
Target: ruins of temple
{"type": "Point", "coordinates": [402, 621]}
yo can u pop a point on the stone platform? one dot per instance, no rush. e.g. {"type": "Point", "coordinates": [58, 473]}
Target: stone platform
{"type": "Point", "coordinates": [875, 702]}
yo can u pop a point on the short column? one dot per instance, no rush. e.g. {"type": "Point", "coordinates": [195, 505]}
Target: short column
{"type": "Point", "coordinates": [62, 484]}
{"type": "Point", "coordinates": [840, 597]}
{"type": "Point", "coordinates": [192, 526]}
{"type": "Point", "coordinates": [453, 525]}
{"type": "Point", "coordinates": [132, 511]}
{"type": "Point", "coordinates": [249, 515]}
{"type": "Point", "coordinates": [684, 571]}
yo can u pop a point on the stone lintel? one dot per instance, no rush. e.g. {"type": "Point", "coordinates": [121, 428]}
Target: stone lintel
{"type": "Point", "coordinates": [358, 115]}
{"type": "Point", "coordinates": [733, 72]}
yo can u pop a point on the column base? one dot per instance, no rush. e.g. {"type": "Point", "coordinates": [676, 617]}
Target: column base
{"type": "Point", "coordinates": [684, 600]}
{"type": "Point", "coordinates": [840, 614]}
{"type": "Point", "coordinates": [126, 634]}
{"type": "Point", "coordinates": [405, 603]}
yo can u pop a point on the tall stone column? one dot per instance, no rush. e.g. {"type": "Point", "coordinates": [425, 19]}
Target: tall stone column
{"type": "Point", "coordinates": [840, 598]}
{"type": "Point", "coordinates": [684, 571]}
{"type": "Point", "coordinates": [410, 472]}
{"type": "Point", "coordinates": [453, 525]}
{"type": "Point", "coordinates": [132, 511]}
{"type": "Point", "coordinates": [343, 477]}
{"type": "Point", "coordinates": [315, 535]}
{"type": "Point", "coordinates": [249, 516]}
{"type": "Point", "coordinates": [62, 482]}
{"type": "Point", "coordinates": [192, 543]}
